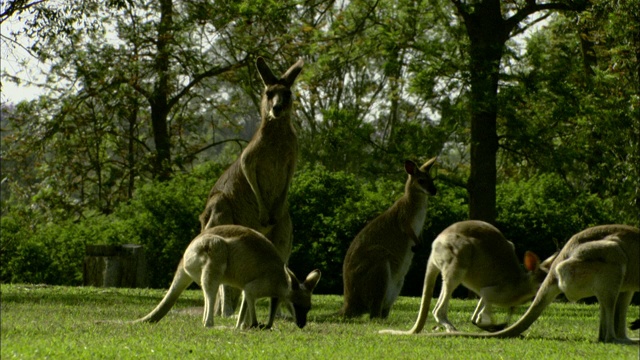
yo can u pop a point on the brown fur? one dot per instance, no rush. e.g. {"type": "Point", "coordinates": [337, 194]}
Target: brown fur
{"type": "Point", "coordinates": [601, 261]}
{"type": "Point", "coordinates": [476, 254]}
{"type": "Point", "coordinates": [379, 257]}
{"type": "Point", "coordinates": [253, 191]}
{"type": "Point", "coordinates": [243, 258]}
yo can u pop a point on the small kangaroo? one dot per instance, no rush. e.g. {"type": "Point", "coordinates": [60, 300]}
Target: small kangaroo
{"type": "Point", "coordinates": [240, 257]}
{"type": "Point", "coordinates": [476, 254]}
{"type": "Point", "coordinates": [253, 191]}
{"type": "Point", "coordinates": [601, 261]}
{"type": "Point", "coordinates": [380, 255]}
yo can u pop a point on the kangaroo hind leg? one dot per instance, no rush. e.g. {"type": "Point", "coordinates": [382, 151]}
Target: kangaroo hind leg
{"type": "Point", "coordinates": [210, 281]}
{"type": "Point", "coordinates": [452, 276]}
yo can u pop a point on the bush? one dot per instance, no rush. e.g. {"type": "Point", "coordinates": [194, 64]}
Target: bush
{"type": "Point", "coordinates": [540, 214]}
{"type": "Point", "coordinates": [323, 223]}
{"type": "Point", "coordinates": [50, 253]}
{"type": "Point", "coordinates": [328, 210]}
{"type": "Point", "coordinates": [163, 217]}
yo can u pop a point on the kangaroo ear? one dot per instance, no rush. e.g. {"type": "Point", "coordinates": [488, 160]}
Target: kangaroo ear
{"type": "Point", "coordinates": [265, 72]}
{"type": "Point", "coordinates": [546, 264]}
{"type": "Point", "coordinates": [290, 76]}
{"type": "Point", "coordinates": [428, 165]}
{"type": "Point", "coordinates": [295, 284]}
{"type": "Point", "coordinates": [312, 280]}
{"type": "Point", "coordinates": [531, 261]}
{"type": "Point", "coordinates": [410, 167]}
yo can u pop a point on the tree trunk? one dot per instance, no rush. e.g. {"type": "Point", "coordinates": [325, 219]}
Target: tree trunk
{"type": "Point", "coordinates": [486, 30]}
{"type": "Point", "coordinates": [159, 102]}
{"type": "Point", "coordinates": [115, 266]}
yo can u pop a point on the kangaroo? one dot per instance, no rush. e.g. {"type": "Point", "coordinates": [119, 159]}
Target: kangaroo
{"type": "Point", "coordinates": [380, 255]}
{"type": "Point", "coordinates": [476, 254]}
{"type": "Point", "coordinates": [240, 257]}
{"type": "Point", "coordinates": [253, 191]}
{"type": "Point", "coordinates": [601, 261]}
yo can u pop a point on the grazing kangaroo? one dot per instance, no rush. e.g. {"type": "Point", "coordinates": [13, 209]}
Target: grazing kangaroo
{"type": "Point", "coordinates": [379, 257]}
{"type": "Point", "coordinates": [601, 261]}
{"type": "Point", "coordinates": [243, 258]}
{"type": "Point", "coordinates": [253, 191]}
{"type": "Point", "coordinates": [476, 254]}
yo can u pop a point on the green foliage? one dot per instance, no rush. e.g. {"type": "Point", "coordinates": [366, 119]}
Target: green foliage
{"type": "Point", "coordinates": [328, 210]}
{"type": "Point", "coordinates": [162, 216]}
{"type": "Point", "coordinates": [50, 253]}
{"type": "Point", "coordinates": [543, 212]}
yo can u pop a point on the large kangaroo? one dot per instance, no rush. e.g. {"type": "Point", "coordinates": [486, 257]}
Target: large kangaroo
{"type": "Point", "coordinates": [379, 257]}
{"type": "Point", "coordinates": [476, 254]}
{"type": "Point", "coordinates": [601, 261]}
{"type": "Point", "coordinates": [253, 191]}
{"type": "Point", "coordinates": [240, 257]}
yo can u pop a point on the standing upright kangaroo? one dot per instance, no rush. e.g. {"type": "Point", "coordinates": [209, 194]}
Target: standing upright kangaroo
{"type": "Point", "coordinates": [601, 261]}
{"type": "Point", "coordinates": [253, 191]}
{"type": "Point", "coordinates": [476, 254]}
{"type": "Point", "coordinates": [243, 258]}
{"type": "Point", "coordinates": [379, 257]}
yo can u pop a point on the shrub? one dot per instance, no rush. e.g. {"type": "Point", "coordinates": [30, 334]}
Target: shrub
{"type": "Point", "coordinates": [50, 253]}
{"type": "Point", "coordinates": [543, 212]}
{"type": "Point", "coordinates": [163, 217]}
{"type": "Point", "coordinates": [328, 210]}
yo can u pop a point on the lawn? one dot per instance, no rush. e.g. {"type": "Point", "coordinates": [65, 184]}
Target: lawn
{"type": "Point", "coordinates": [60, 323]}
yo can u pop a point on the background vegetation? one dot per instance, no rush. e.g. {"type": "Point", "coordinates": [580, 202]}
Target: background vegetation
{"type": "Point", "coordinates": [146, 103]}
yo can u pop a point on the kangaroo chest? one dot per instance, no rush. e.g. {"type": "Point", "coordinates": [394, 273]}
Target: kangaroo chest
{"type": "Point", "coordinates": [275, 164]}
{"type": "Point", "coordinates": [417, 222]}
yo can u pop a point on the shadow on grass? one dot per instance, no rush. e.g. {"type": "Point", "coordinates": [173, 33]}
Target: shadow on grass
{"type": "Point", "coordinates": [45, 294]}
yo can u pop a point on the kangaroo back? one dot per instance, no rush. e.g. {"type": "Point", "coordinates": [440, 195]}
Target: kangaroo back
{"type": "Point", "coordinates": [475, 254]}
{"type": "Point", "coordinates": [243, 258]}
{"type": "Point", "coordinates": [594, 254]}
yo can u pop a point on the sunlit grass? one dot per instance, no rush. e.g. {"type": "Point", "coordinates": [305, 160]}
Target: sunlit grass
{"type": "Point", "coordinates": [60, 322]}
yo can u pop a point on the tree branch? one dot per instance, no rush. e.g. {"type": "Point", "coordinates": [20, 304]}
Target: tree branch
{"type": "Point", "coordinates": [193, 154]}
{"type": "Point", "coordinates": [207, 74]}
{"type": "Point", "coordinates": [17, 6]}
{"type": "Point", "coordinates": [533, 7]}
{"type": "Point", "coordinates": [462, 10]}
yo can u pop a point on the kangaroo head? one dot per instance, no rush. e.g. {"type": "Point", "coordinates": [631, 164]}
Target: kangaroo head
{"type": "Point", "coordinates": [536, 270]}
{"type": "Point", "coordinates": [420, 177]}
{"type": "Point", "coordinates": [300, 296]}
{"type": "Point", "coordinates": [276, 97]}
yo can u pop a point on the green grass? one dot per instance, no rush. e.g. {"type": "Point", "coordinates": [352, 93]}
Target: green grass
{"type": "Point", "coordinates": [60, 323]}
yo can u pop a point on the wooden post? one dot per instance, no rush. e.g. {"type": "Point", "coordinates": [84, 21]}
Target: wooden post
{"type": "Point", "coordinates": [115, 266]}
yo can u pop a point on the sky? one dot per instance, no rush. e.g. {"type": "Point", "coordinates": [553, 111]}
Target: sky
{"type": "Point", "coordinates": [16, 61]}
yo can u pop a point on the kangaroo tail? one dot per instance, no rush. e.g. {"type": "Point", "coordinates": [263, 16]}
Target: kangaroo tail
{"type": "Point", "coordinates": [427, 292]}
{"type": "Point", "coordinates": [548, 291]}
{"type": "Point", "coordinates": [181, 281]}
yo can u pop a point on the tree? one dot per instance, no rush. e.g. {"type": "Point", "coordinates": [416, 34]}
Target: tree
{"type": "Point", "coordinates": [148, 73]}
{"type": "Point", "coordinates": [363, 109]}
{"type": "Point", "coordinates": [489, 24]}
{"type": "Point", "coordinates": [573, 117]}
